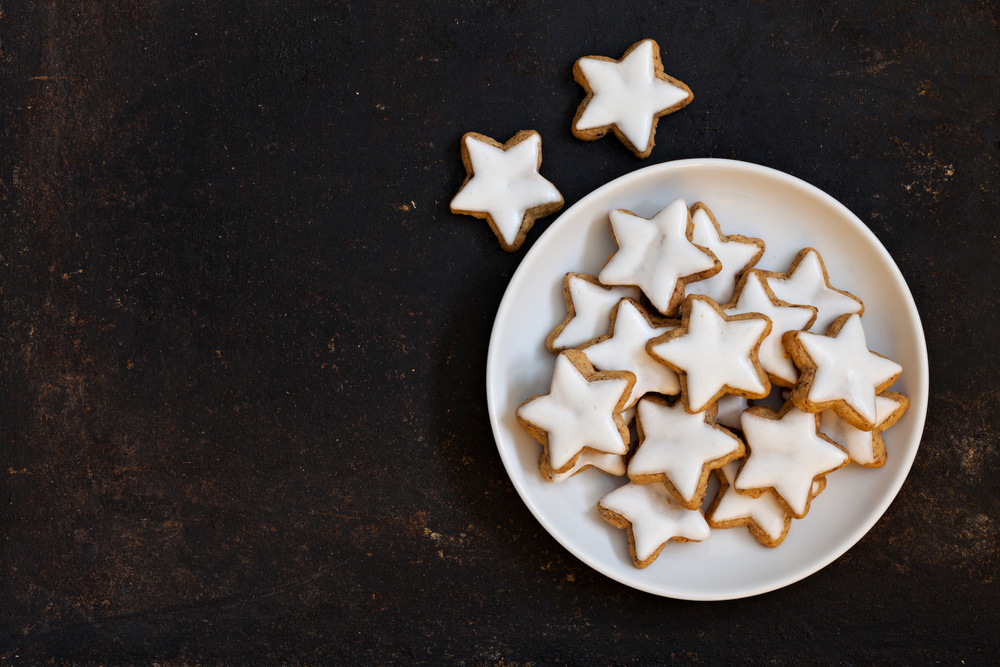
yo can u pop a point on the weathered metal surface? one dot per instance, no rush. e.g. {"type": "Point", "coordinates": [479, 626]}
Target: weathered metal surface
{"type": "Point", "coordinates": [244, 341]}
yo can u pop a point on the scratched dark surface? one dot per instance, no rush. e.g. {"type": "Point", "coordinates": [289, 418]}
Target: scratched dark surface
{"type": "Point", "coordinates": [244, 341]}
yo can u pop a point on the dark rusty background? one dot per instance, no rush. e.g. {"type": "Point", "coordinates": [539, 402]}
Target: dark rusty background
{"type": "Point", "coordinates": [244, 341]}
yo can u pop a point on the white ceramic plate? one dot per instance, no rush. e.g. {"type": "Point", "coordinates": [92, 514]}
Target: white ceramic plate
{"type": "Point", "coordinates": [788, 214]}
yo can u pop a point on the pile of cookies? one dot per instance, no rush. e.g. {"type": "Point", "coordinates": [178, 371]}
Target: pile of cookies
{"type": "Point", "coordinates": [667, 363]}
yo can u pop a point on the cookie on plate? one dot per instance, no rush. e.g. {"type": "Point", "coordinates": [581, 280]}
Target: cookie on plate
{"type": "Point", "coordinates": [657, 256]}
{"type": "Point", "coordinates": [503, 185]}
{"type": "Point", "coordinates": [764, 516]}
{"type": "Point", "coordinates": [627, 96]}
{"type": "Point", "coordinates": [736, 253]}
{"type": "Point", "coordinates": [680, 449]}
{"type": "Point", "coordinates": [786, 454]}
{"type": "Point", "coordinates": [624, 349]}
{"type": "Point", "coordinates": [866, 448]}
{"type": "Point", "coordinates": [838, 372]}
{"type": "Point", "coordinates": [588, 311]}
{"type": "Point", "coordinates": [652, 518]}
{"type": "Point", "coordinates": [611, 464]}
{"type": "Point", "coordinates": [807, 283]}
{"type": "Point", "coordinates": [754, 296]}
{"type": "Point", "coordinates": [582, 411]}
{"type": "Point", "coordinates": [714, 353]}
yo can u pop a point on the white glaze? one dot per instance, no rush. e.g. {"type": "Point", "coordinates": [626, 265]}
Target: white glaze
{"type": "Point", "coordinates": [612, 464]}
{"type": "Point", "coordinates": [846, 370]}
{"type": "Point", "coordinates": [577, 413]}
{"type": "Point", "coordinates": [773, 357]}
{"type": "Point", "coordinates": [808, 286]}
{"type": "Point", "coordinates": [730, 408]}
{"type": "Point", "coordinates": [627, 94]}
{"type": "Point", "coordinates": [654, 254]}
{"type": "Point", "coordinates": [765, 510]}
{"type": "Point", "coordinates": [626, 351]}
{"type": "Point", "coordinates": [859, 444]}
{"type": "Point", "coordinates": [655, 516]}
{"type": "Point", "coordinates": [679, 445]}
{"type": "Point", "coordinates": [592, 305]}
{"type": "Point", "coordinates": [734, 255]}
{"type": "Point", "coordinates": [786, 454]}
{"type": "Point", "coordinates": [505, 184]}
{"type": "Point", "coordinates": [715, 353]}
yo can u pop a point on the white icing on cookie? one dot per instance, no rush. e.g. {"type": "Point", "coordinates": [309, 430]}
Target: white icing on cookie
{"type": "Point", "coordinates": [655, 517]}
{"type": "Point", "coordinates": [731, 407]}
{"type": "Point", "coordinates": [626, 351]}
{"type": "Point", "coordinates": [577, 413]}
{"type": "Point", "coordinates": [612, 464]}
{"type": "Point", "coordinates": [505, 184]}
{"type": "Point", "coordinates": [735, 255]}
{"type": "Point", "coordinates": [864, 447]}
{"type": "Point", "coordinates": [786, 454]}
{"type": "Point", "coordinates": [765, 511]}
{"type": "Point", "coordinates": [592, 306]}
{"type": "Point", "coordinates": [680, 447]}
{"type": "Point", "coordinates": [846, 370]}
{"type": "Point", "coordinates": [655, 255]}
{"type": "Point", "coordinates": [754, 298]}
{"type": "Point", "coordinates": [808, 284]}
{"type": "Point", "coordinates": [629, 94]}
{"type": "Point", "coordinates": [716, 355]}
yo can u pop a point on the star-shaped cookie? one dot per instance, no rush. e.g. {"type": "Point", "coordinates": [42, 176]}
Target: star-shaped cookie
{"type": "Point", "coordinates": [627, 96]}
{"type": "Point", "coordinates": [737, 253]}
{"type": "Point", "coordinates": [763, 516]}
{"type": "Point", "coordinates": [504, 187]}
{"type": "Point", "coordinates": [807, 283]}
{"type": "Point", "coordinates": [839, 372]}
{"type": "Point", "coordinates": [754, 296]}
{"type": "Point", "coordinates": [680, 449]}
{"type": "Point", "coordinates": [624, 349]}
{"type": "Point", "coordinates": [866, 448]}
{"type": "Point", "coordinates": [652, 518]}
{"type": "Point", "coordinates": [787, 454]}
{"type": "Point", "coordinates": [581, 411]}
{"type": "Point", "coordinates": [657, 256]}
{"type": "Point", "coordinates": [612, 464]}
{"type": "Point", "coordinates": [714, 353]}
{"type": "Point", "coordinates": [588, 311]}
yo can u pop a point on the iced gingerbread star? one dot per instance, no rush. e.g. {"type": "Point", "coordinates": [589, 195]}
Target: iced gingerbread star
{"type": "Point", "coordinates": [652, 518]}
{"type": "Point", "coordinates": [714, 353]}
{"type": "Point", "coordinates": [754, 296]}
{"type": "Point", "coordinates": [627, 96]}
{"type": "Point", "coordinates": [624, 349]}
{"type": "Point", "coordinates": [763, 516]}
{"type": "Point", "coordinates": [657, 256]}
{"type": "Point", "coordinates": [582, 411]}
{"type": "Point", "coordinates": [680, 449]}
{"type": "Point", "coordinates": [838, 372]}
{"type": "Point", "coordinates": [866, 448]}
{"type": "Point", "coordinates": [807, 283]}
{"type": "Point", "coordinates": [787, 455]}
{"type": "Point", "coordinates": [737, 253]}
{"type": "Point", "coordinates": [611, 464]}
{"type": "Point", "coordinates": [588, 311]}
{"type": "Point", "coordinates": [504, 187]}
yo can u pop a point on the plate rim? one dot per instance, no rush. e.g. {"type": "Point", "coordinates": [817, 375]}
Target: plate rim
{"type": "Point", "coordinates": [921, 379]}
